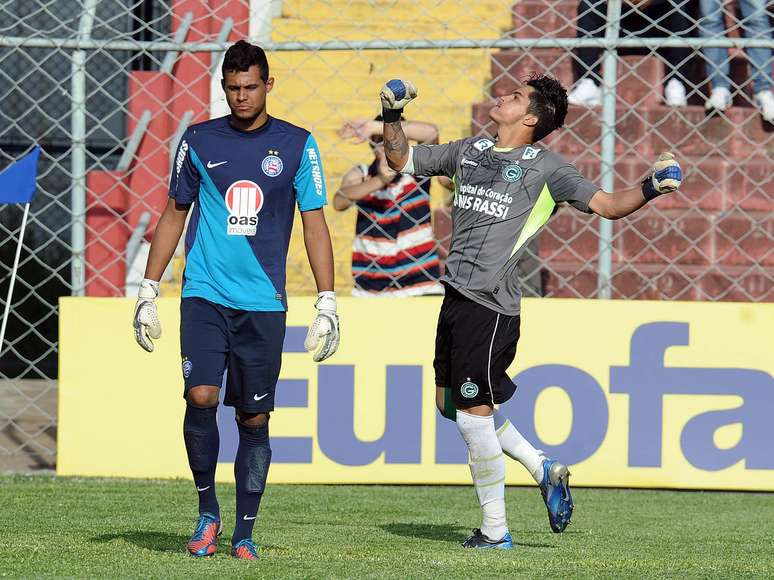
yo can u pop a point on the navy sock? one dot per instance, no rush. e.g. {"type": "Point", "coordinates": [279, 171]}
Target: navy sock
{"type": "Point", "coordinates": [202, 440]}
{"type": "Point", "coordinates": [250, 470]}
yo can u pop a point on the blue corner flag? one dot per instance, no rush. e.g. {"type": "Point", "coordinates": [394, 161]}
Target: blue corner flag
{"type": "Point", "coordinates": [17, 185]}
{"type": "Point", "coordinates": [17, 181]}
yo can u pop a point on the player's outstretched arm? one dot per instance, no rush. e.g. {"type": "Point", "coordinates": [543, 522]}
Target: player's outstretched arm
{"type": "Point", "coordinates": [395, 95]}
{"type": "Point", "coordinates": [168, 231]}
{"type": "Point", "coordinates": [323, 335]}
{"type": "Point", "coordinates": [666, 177]}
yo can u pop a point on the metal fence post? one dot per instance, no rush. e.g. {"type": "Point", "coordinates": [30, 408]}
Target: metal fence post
{"type": "Point", "coordinates": [607, 153]}
{"type": "Point", "coordinates": [78, 160]}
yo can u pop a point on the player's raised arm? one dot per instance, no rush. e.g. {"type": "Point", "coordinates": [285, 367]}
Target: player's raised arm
{"type": "Point", "coordinates": [395, 95]}
{"type": "Point", "coordinates": [665, 178]}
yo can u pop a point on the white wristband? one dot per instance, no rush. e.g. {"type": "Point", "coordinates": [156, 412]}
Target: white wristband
{"type": "Point", "coordinates": [149, 289]}
{"type": "Point", "coordinates": [326, 300]}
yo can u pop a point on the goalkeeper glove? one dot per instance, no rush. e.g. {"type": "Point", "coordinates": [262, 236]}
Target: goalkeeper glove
{"type": "Point", "coordinates": [666, 177]}
{"type": "Point", "coordinates": [323, 335]}
{"type": "Point", "coordinates": [146, 318]}
{"type": "Point", "coordinates": [395, 95]}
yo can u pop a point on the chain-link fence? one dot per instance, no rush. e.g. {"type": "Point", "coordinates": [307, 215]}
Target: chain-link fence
{"type": "Point", "coordinates": [107, 87]}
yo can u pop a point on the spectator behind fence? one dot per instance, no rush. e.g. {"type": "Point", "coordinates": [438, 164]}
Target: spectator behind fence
{"type": "Point", "coordinates": [644, 18]}
{"type": "Point", "coordinates": [755, 24]}
{"type": "Point", "coordinates": [394, 252]}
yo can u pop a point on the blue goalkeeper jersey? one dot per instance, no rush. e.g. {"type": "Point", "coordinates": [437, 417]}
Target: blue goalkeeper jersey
{"type": "Point", "coordinates": [244, 186]}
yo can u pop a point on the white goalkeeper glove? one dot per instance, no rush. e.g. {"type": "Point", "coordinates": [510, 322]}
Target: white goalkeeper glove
{"type": "Point", "coordinates": [323, 335]}
{"type": "Point", "coordinates": [146, 317]}
{"type": "Point", "coordinates": [395, 95]}
{"type": "Point", "coordinates": [666, 177]}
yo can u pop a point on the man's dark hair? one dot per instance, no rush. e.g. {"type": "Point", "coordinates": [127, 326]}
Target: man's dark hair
{"type": "Point", "coordinates": [242, 55]}
{"type": "Point", "coordinates": [548, 102]}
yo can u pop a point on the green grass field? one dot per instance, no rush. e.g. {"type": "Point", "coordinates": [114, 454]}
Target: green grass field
{"type": "Point", "coordinates": [123, 528]}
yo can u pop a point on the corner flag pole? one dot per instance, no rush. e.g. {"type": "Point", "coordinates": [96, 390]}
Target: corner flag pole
{"type": "Point", "coordinates": [18, 185]}
{"type": "Point", "coordinates": [13, 275]}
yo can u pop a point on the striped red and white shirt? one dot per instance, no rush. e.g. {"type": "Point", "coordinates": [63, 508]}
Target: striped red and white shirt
{"type": "Point", "coordinates": [394, 251]}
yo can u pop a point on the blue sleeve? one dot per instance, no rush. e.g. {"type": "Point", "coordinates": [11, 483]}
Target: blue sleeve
{"type": "Point", "coordinates": [184, 183]}
{"type": "Point", "coordinates": [309, 182]}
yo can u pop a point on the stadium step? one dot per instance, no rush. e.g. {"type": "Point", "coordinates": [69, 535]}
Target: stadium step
{"type": "Point", "coordinates": [538, 19]}
{"type": "Point", "coordinates": [305, 30]}
{"type": "Point", "coordinates": [427, 62]}
{"type": "Point", "coordinates": [739, 133]}
{"type": "Point", "coordinates": [661, 282]}
{"type": "Point", "coordinates": [640, 78]}
{"type": "Point", "coordinates": [690, 236]}
{"type": "Point", "coordinates": [395, 10]}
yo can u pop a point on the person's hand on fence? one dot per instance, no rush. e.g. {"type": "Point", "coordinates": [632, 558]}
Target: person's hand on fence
{"type": "Point", "coordinates": [358, 130]}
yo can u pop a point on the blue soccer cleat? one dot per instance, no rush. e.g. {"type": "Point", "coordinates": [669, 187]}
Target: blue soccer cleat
{"type": "Point", "coordinates": [555, 489]}
{"type": "Point", "coordinates": [245, 550]}
{"type": "Point", "coordinates": [479, 540]}
{"type": "Point", "coordinates": [204, 540]}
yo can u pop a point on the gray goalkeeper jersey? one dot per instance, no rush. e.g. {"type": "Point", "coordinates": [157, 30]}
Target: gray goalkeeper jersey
{"type": "Point", "coordinates": [502, 199]}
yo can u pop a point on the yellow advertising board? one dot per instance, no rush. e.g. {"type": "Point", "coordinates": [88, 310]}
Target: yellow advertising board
{"type": "Point", "coordinates": [635, 394]}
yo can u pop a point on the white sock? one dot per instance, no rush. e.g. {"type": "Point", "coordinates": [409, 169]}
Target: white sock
{"type": "Point", "coordinates": [487, 466]}
{"type": "Point", "coordinates": [516, 447]}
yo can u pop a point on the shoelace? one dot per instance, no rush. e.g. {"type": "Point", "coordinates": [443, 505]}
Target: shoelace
{"type": "Point", "coordinates": [249, 545]}
{"type": "Point", "coordinates": [201, 524]}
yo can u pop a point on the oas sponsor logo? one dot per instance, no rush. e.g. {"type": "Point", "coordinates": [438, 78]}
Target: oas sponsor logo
{"type": "Point", "coordinates": [181, 153]}
{"type": "Point", "coordinates": [469, 390]}
{"type": "Point", "coordinates": [187, 367]}
{"type": "Point", "coordinates": [513, 173]}
{"type": "Point", "coordinates": [244, 200]}
{"type": "Point", "coordinates": [483, 144]}
{"type": "Point", "coordinates": [272, 165]}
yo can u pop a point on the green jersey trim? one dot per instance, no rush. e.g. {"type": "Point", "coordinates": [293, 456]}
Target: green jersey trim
{"type": "Point", "coordinates": [537, 218]}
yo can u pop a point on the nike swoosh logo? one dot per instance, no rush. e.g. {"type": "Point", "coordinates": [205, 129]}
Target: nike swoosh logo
{"type": "Point", "coordinates": [246, 518]}
{"type": "Point", "coordinates": [257, 398]}
{"type": "Point", "coordinates": [203, 488]}
{"type": "Point", "coordinates": [210, 164]}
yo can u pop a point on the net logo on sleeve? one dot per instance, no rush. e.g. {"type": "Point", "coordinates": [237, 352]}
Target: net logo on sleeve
{"type": "Point", "coordinates": [181, 153]}
{"type": "Point", "coordinates": [314, 163]}
{"type": "Point", "coordinates": [244, 200]}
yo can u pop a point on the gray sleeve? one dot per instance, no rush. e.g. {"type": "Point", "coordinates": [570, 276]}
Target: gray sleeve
{"type": "Point", "coordinates": [437, 159]}
{"type": "Point", "coordinates": [567, 184]}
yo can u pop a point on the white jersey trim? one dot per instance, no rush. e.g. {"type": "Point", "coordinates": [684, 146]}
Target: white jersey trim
{"type": "Point", "coordinates": [409, 167]}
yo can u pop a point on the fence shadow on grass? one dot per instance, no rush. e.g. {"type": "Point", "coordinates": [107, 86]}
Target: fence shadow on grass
{"type": "Point", "coordinates": [156, 541]}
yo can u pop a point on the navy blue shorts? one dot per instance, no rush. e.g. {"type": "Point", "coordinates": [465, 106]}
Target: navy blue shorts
{"type": "Point", "coordinates": [214, 338]}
